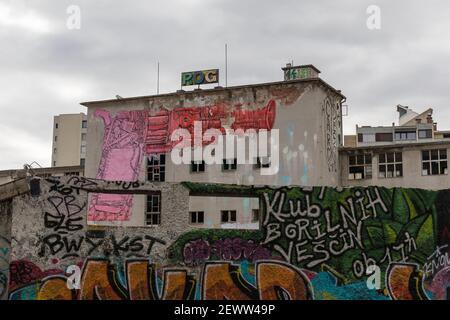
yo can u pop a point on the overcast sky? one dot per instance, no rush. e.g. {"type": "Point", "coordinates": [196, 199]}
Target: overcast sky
{"type": "Point", "coordinates": [47, 69]}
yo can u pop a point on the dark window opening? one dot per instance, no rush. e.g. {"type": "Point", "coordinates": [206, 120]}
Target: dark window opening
{"type": "Point", "coordinates": [255, 215]}
{"type": "Point", "coordinates": [384, 137]}
{"type": "Point", "coordinates": [198, 166]}
{"type": "Point", "coordinates": [228, 216]}
{"type": "Point", "coordinates": [197, 217]}
{"type": "Point", "coordinates": [434, 162]}
{"type": "Point", "coordinates": [262, 162]}
{"type": "Point", "coordinates": [390, 165]}
{"type": "Point", "coordinates": [153, 212]}
{"type": "Point", "coordinates": [229, 164]}
{"type": "Point", "coordinates": [156, 167]}
{"type": "Point", "coordinates": [360, 166]}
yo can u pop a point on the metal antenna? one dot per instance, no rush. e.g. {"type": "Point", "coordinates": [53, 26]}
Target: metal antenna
{"type": "Point", "coordinates": [226, 66]}
{"type": "Point", "coordinates": [157, 81]}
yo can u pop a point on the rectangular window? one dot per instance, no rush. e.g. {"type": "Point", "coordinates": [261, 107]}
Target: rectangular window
{"type": "Point", "coordinates": [368, 137]}
{"type": "Point", "coordinates": [197, 166]}
{"type": "Point", "coordinates": [54, 163]}
{"type": "Point", "coordinates": [405, 135]}
{"type": "Point", "coordinates": [83, 137]}
{"type": "Point", "coordinates": [84, 124]}
{"type": "Point", "coordinates": [228, 216]}
{"type": "Point", "coordinates": [83, 149]}
{"type": "Point", "coordinates": [156, 167]}
{"type": "Point", "coordinates": [229, 164]}
{"type": "Point", "coordinates": [384, 136]}
{"type": "Point", "coordinates": [56, 125]}
{"type": "Point", "coordinates": [262, 162]}
{"type": "Point", "coordinates": [56, 138]}
{"type": "Point", "coordinates": [425, 134]}
{"type": "Point", "coordinates": [54, 150]}
{"type": "Point", "coordinates": [255, 215]}
{"type": "Point", "coordinates": [434, 162]}
{"type": "Point", "coordinates": [153, 212]}
{"type": "Point", "coordinates": [82, 162]}
{"type": "Point", "coordinates": [196, 217]}
{"type": "Point", "coordinates": [390, 165]}
{"type": "Point", "coordinates": [360, 166]}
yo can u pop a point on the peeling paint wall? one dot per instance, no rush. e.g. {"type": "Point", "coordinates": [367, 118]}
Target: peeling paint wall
{"type": "Point", "coordinates": [307, 115]}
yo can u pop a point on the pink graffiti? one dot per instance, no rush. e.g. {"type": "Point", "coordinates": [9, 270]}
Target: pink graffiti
{"type": "Point", "coordinates": [440, 283]}
{"type": "Point", "coordinates": [122, 154]}
{"type": "Point", "coordinates": [23, 272]}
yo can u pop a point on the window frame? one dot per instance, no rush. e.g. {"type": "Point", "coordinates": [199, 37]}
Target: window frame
{"type": "Point", "coordinates": [365, 165]}
{"type": "Point", "coordinates": [197, 214]}
{"type": "Point", "coordinates": [198, 165]}
{"type": "Point", "coordinates": [255, 213]}
{"type": "Point", "coordinates": [160, 167]}
{"type": "Point", "coordinates": [406, 135]}
{"type": "Point", "coordinates": [387, 163]}
{"type": "Point", "coordinates": [428, 133]}
{"type": "Point", "coordinates": [259, 163]}
{"type": "Point", "coordinates": [229, 214]}
{"type": "Point", "coordinates": [430, 161]}
{"type": "Point", "coordinates": [229, 166]}
{"type": "Point", "coordinates": [157, 213]}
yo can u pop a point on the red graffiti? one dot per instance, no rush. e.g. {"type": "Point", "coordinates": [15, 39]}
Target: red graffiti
{"type": "Point", "coordinates": [24, 272]}
{"type": "Point", "coordinates": [162, 124]}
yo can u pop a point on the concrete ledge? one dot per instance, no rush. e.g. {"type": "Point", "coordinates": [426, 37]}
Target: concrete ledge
{"type": "Point", "coordinates": [13, 189]}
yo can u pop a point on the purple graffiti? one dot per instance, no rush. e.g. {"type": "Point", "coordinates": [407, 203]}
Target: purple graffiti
{"type": "Point", "coordinates": [198, 251]}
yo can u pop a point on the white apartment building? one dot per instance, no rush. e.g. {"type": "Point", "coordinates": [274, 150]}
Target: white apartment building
{"type": "Point", "coordinates": [69, 140]}
{"type": "Point", "coordinates": [411, 154]}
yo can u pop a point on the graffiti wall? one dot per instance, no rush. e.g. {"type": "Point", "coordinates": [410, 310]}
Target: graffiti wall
{"type": "Point", "coordinates": [322, 243]}
{"type": "Point", "coordinates": [130, 135]}
{"type": "Point", "coordinates": [306, 116]}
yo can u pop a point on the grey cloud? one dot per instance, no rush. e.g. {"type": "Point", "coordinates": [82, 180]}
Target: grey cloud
{"type": "Point", "coordinates": [119, 43]}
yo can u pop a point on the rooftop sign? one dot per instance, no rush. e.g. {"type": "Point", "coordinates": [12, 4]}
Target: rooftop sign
{"type": "Point", "coordinates": [199, 77]}
{"type": "Point", "coordinates": [300, 72]}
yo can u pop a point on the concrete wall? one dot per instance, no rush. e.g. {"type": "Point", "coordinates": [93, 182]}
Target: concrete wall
{"type": "Point", "coordinates": [319, 241]}
{"type": "Point", "coordinates": [308, 116]}
{"type": "Point", "coordinates": [69, 142]}
{"type": "Point", "coordinates": [412, 171]}
{"type": "Point", "coordinates": [212, 207]}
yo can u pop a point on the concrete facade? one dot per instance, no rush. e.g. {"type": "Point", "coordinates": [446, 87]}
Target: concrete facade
{"type": "Point", "coordinates": [69, 140]}
{"type": "Point", "coordinates": [308, 116]}
{"type": "Point", "coordinates": [412, 154]}
{"type": "Point", "coordinates": [412, 165]}
{"type": "Point", "coordinates": [121, 137]}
